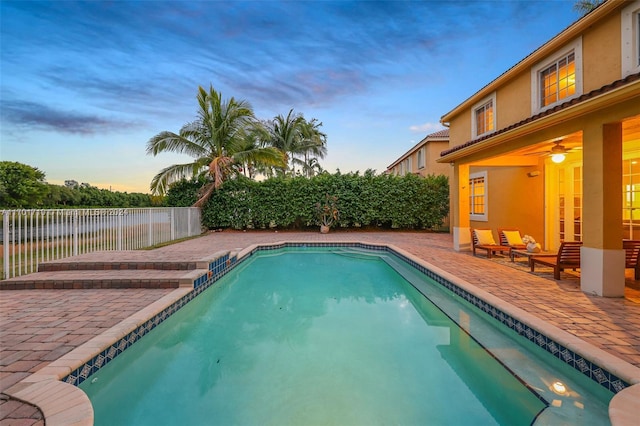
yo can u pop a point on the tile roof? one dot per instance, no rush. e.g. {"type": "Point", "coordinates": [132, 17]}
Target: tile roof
{"type": "Point", "coordinates": [585, 97]}
{"type": "Point", "coordinates": [444, 133]}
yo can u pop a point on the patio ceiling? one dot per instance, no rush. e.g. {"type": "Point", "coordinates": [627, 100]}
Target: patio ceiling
{"type": "Point", "coordinates": [573, 142]}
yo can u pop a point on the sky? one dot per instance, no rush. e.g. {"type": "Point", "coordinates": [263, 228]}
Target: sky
{"type": "Point", "coordinates": [85, 85]}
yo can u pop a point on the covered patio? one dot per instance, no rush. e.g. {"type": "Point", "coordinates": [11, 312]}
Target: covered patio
{"type": "Point", "coordinates": [569, 174]}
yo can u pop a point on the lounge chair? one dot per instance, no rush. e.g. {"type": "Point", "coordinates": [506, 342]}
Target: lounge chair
{"type": "Point", "coordinates": [631, 256]}
{"type": "Point", "coordinates": [568, 257]}
{"type": "Point", "coordinates": [482, 239]}
{"type": "Point", "coordinates": [512, 238]}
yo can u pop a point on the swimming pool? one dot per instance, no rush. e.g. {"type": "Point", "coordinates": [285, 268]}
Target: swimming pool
{"type": "Point", "coordinates": [369, 340]}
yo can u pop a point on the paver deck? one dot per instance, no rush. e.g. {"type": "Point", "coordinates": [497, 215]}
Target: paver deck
{"type": "Point", "coordinates": [39, 326]}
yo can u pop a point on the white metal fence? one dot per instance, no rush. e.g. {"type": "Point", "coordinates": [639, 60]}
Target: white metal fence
{"type": "Point", "coordinates": [33, 236]}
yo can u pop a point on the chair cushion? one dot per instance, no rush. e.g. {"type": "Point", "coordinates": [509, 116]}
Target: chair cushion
{"type": "Point", "coordinates": [485, 237]}
{"type": "Point", "coordinates": [513, 238]}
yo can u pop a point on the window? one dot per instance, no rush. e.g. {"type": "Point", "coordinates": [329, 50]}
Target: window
{"type": "Point", "coordinates": [631, 39]}
{"type": "Point", "coordinates": [558, 78]}
{"type": "Point", "coordinates": [558, 81]}
{"type": "Point", "coordinates": [483, 116]}
{"type": "Point", "coordinates": [478, 196]}
{"type": "Point", "coordinates": [421, 158]}
{"type": "Point", "coordinates": [408, 165]}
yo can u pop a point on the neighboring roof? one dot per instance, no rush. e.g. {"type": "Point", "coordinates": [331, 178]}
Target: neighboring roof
{"type": "Point", "coordinates": [439, 136]}
{"type": "Point", "coordinates": [580, 99]}
{"type": "Point", "coordinates": [562, 38]}
{"type": "Point", "coordinates": [444, 133]}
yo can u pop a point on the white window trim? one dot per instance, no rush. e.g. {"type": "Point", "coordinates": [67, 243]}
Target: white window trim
{"type": "Point", "coordinates": [630, 42]}
{"type": "Point", "coordinates": [576, 47]}
{"type": "Point", "coordinates": [421, 159]}
{"type": "Point", "coordinates": [480, 217]}
{"type": "Point", "coordinates": [474, 124]}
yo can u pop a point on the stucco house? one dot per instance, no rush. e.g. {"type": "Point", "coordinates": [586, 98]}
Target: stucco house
{"type": "Point", "coordinates": [552, 146]}
{"type": "Point", "coordinates": [422, 158]}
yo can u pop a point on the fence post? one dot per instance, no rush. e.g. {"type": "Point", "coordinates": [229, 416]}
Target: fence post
{"type": "Point", "coordinates": [150, 228]}
{"type": "Point", "coordinates": [172, 219]}
{"type": "Point", "coordinates": [119, 231]}
{"type": "Point", "coordinates": [75, 232]}
{"type": "Point", "coordinates": [5, 243]}
{"type": "Point", "coordinates": [189, 222]}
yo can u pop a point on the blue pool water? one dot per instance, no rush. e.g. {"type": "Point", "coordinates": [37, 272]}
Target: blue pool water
{"type": "Point", "coordinates": [336, 336]}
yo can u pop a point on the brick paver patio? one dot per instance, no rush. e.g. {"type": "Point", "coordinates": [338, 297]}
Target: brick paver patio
{"type": "Point", "coordinates": [39, 326]}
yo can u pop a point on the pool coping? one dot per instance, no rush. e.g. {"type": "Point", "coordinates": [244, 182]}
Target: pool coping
{"type": "Point", "coordinates": [63, 403]}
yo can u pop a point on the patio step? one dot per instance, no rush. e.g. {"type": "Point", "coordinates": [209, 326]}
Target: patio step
{"type": "Point", "coordinates": [123, 269]}
{"type": "Point", "coordinates": [107, 279]}
{"type": "Point", "coordinates": [92, 265]}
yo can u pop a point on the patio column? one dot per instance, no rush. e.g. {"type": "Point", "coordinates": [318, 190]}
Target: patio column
{"type": "Point", "coordinates": [460, 207]}
{"type": "Point", "coordinates": [602, 256]}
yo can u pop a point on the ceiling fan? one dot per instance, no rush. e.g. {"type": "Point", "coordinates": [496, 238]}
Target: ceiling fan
{"type": "Point", "coordinates": [557, 152]}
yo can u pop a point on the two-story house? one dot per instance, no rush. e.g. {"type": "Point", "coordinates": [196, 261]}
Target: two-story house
{"type": "Point", "coordinates": [552, 146]}
{"type": "Point", "coordinates": [422, 158]}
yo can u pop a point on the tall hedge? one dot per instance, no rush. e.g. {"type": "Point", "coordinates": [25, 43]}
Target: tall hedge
{"type": "Point", "coordinates": [387, 201]}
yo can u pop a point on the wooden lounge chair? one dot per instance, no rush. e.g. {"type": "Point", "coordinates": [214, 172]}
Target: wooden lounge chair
{"type": "Point", "coordinates": [568, 257]}
{"type": "Point", "coordinates": [631, 256]}
{"type": "Point", "coordinates": [512, 238]}
{"type": "Point", "coordinates": [483, 240]}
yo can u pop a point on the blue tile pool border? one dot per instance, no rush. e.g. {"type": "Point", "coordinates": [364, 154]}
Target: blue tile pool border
{"type": "Point", "coordinates": [225, 263]}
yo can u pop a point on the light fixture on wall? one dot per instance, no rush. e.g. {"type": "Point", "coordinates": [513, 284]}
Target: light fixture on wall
{"type": "Point", "coordinates": [558, 153]}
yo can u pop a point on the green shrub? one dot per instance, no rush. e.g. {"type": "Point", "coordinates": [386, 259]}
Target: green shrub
{"type": "Point", "coordinates": [387, 201]}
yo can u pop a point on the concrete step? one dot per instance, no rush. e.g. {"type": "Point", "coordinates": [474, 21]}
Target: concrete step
{"type": "Point", "coordinates": [99, 279]}
{"type": "Point", "coordinates": [67, 265]}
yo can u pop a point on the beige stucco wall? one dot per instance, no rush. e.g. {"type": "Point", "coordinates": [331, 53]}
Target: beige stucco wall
{"type": "Point", "coordinates": [460, 129]}
{"type": "Point", "coordinates": [602, 54]}
{"type": "Point", "coordinates": [432, 153]}
{"type": "Point", "coordinates": [513, 102]}
{"type": "Point", "coordinates": [514, 200]}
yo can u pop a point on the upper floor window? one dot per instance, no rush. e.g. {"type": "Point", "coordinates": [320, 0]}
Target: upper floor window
{"type": "Point", "coordinates": [421, 158]}
{"type": "Point", "coordinates": [558, 78]}
{"type": "Point", "coordinates": [631, 39]}
{"type": "Point", "coordinates": [408, 165]}
{"type": "Point", "coordinates": [478, 196]}
{"type": "Point", "coordinates": [483, 119]}
{"type": "Point", "coordinates": [558, 81]}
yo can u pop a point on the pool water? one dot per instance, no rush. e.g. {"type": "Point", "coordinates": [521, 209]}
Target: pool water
{"type": "Point", "coordinates": [334, 337]}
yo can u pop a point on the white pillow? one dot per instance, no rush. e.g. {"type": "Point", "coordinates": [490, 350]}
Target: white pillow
{"type": "Point", "coordinates": [513, 238]}
{"type": "Point", "coordinates": [485, 237]}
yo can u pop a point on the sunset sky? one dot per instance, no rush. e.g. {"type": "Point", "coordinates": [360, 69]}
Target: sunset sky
{"type": "Point", "coordinates": [84, 85]}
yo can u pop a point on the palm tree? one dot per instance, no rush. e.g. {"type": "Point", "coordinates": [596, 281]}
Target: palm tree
{"type": "Point", "coordinates": [295, 136]}
{"type": "Point", "coordinates": [217, 140]}
{"type": "Point", "coordinates": [313, 146]}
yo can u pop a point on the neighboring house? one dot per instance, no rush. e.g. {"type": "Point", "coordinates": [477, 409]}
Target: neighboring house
{"type": "Point", "coordinates": [422, 158]}
{"type": "Point", "coordinates": [579, 93]}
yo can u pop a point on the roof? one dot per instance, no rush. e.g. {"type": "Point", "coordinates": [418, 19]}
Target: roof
{"type": "Point", "coordinates": [439, 136]}
{"type": "Point", "coordinates": [580, 99]}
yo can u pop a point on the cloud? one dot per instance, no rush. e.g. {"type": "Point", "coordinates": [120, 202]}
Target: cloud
{"type": "Point", "coordinates": [426, 128]}
{"type": "Point", "coordinates": [34, 116]}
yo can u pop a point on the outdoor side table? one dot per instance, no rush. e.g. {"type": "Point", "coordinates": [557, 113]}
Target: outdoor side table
{"type": "Point", "coordinates": [524, 253]}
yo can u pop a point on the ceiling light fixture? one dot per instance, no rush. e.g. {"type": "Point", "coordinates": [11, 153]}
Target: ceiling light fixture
{"type": "Point", "coordinates": [558, 153]}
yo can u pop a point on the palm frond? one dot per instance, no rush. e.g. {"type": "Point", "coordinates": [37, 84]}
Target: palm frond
{"type": "Point", "coordinates": [170, 142]}
{"type": "Point", "coordinates": [161, 182]}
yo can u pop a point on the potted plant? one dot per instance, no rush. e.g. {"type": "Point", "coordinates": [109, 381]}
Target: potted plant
{"type": "Point", "coordinates": [327, 212]}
